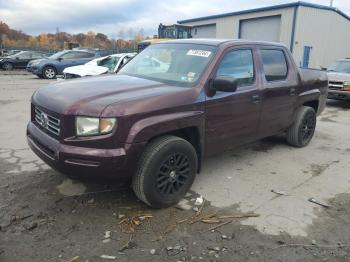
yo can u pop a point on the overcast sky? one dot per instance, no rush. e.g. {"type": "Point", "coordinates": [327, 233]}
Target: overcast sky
{"type": "Point", "coordinates": [112, 16]}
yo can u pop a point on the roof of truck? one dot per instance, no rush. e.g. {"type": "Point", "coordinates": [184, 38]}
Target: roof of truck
{"type": "Point", "coordinates": [217, 42]}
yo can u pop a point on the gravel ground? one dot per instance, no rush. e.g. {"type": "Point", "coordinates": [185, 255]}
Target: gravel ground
{"type": "Point", "coordinates": [46, 216]}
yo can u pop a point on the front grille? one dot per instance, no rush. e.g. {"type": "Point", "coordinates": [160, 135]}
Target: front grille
{"type": "Point", "coordinates": [50, 123]}
{"type": "Point", "coordinates": [335, 85]}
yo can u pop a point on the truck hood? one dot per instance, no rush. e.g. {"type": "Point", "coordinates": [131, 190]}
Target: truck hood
{"type": "Point", "coordinates": [86, 70]}
{"type": "Point", "coordinates": [90, 96]}
{"type": "Point", "coordinates": [338, 77]}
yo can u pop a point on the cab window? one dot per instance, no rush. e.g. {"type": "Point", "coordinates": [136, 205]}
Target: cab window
{"type": "Point", "coordinates": [238, 64]}
{"type": "Point", "coordinates": [275, 64]}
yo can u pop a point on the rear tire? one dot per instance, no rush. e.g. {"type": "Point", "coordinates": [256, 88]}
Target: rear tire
{"type": "Point", "coordinates": [7, 66]}
{"type": "Point", "coordinates": [49, 72]}
{"type": "Point", "coordinates": [303, 128]}
{"type": "Point", "coordinates": [165, 172]}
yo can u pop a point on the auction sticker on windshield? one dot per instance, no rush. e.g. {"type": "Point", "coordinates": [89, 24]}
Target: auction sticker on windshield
{"type": "Point", "coordinates": [201, 53]}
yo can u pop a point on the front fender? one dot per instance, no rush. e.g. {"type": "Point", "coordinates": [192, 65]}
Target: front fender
{"type": "Point", "coordinates": [145, 129]}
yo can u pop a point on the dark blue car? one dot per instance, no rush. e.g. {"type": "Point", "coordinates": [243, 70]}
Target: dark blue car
{"type": "Point", "coordinates": [54, 65]}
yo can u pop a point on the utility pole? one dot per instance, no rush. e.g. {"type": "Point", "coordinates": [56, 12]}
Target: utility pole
{"type": "Point", "coordinates": [331, 3]}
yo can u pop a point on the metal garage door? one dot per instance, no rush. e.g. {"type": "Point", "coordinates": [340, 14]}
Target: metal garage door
{"type": "Point", "coordinates": [204, 31]}
{"type": "Point", "coordinates": [263, 29]}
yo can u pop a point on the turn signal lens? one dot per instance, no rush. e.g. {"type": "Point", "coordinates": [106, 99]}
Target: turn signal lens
{"type": "Point", "coordinates": [106, 125]}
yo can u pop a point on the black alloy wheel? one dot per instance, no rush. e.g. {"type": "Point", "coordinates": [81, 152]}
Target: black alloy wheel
{"type": "Point", "coordinates": [165, 172]}
{"type": "Point", "coordinates": [173, 174]}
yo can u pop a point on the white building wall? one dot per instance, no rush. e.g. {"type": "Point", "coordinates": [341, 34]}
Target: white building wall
{"type": "Point", "coordinates": [228, 27]}
{"type": "Point", "coordinates": [327, 32]}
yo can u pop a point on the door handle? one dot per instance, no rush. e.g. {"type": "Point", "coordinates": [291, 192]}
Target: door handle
{"type": "Point", "coordinates": [256, 99]}
{"type": "Point", "coordinates": [292, 91]}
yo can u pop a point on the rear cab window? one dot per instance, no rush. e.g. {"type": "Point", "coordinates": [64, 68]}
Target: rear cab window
{"type": "Point", "coordinates": [238, 63]}
{"type": "Point", "coordinates": [275, 64]}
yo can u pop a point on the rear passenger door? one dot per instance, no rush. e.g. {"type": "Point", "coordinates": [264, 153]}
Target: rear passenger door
{"type": "Point", "coordinates": [232, 118]}
{"type": "Point", "coordinates": [67, 60]}
{"type": "Point", "coordinates": [23, 60]}
{"type": "Point", "coordinates": [279, 91]}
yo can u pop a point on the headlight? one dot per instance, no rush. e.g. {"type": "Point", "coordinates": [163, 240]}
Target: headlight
{"type": "Point", "coordinates": [34, 63]}
{"type": "Point", "coordinates": [90, 126]}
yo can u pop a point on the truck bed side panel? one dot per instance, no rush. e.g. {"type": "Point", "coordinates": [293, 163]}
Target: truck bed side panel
{"type": "Point", "coordinates": [314, 87]}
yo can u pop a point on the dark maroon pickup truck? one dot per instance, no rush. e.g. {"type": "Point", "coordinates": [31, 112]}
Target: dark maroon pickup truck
{"type": "Point", "coordinates": [170, 107]}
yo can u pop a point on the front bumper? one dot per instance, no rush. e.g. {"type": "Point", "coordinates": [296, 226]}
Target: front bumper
{"type": "Point", "coordinates": [81, 161]}
{"type": "Point", "coordinates": [34, 69]}
{"type": "Point", "coordinates": [337, 94]}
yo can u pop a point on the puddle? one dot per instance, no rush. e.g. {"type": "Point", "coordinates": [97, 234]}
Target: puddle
{"type": "Point", "coordinates": [9, 101]}
{"type": "Point", "coordinates": [71, 188]}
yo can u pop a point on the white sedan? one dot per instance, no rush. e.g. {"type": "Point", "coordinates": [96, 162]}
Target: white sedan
{"type": "Point", "coordinates": [99, 66]}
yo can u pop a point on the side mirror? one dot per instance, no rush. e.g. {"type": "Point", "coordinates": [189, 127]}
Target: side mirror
{"type": "Point", "coordinates": [17, 58]}
{"type": "Point", "coordinates": [59, 59]}
{"type": "Point", "coordinates": [224, 84]}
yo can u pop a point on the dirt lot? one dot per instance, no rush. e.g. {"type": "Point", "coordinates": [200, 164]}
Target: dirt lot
{"type": "Point", "coordinates": [45, 216]}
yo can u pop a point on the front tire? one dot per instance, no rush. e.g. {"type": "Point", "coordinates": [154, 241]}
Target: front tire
{"type": "Point", "coordinates": [49, 72]}
{"type": "Point", "coordinates": [7, 66]}
{"type": "Point", "coordinates": [303, 128]}
{"type": "Point", "coordinates": [165, 172]}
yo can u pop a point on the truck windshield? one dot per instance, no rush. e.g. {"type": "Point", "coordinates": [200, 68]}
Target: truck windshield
{"type": "Point", "coordinates": [340, 66]}
{"type": "Point", "coordinates": [173, 64]}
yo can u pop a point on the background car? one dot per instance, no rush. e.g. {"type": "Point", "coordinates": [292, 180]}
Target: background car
{"type": "Point", "coordinates": [20, 59]}
{"type": "Point", "coordinates": [54, 65]}
{"type": "Point", "coordinates": [5, 52]}
{"type": "Point", "coordinates": [99, 66]}
{"type": "Point", "coordinates": [339, 80]}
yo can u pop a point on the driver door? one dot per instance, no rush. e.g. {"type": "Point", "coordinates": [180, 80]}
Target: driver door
{"type": "Point", "coordinates": [23, 60]}
{"type": "Point", "coordinates": [232, 118]}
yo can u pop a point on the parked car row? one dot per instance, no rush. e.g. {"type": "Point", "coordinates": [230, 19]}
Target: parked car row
{"type": "Point", "coordinates": [54, 65]}
{"type": "Point", "coordinates": [4, 52]}
{"type": "Point", "coordinates": [20, 59]}
{"type": "Point", "coordinates": [99, 66]}
{"type": "Point", "coordinates": [77, 63]}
